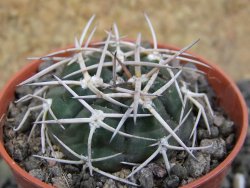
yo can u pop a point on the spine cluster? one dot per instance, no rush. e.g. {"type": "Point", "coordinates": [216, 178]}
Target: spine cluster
{"type": "Point", "coordinates": [132, 94]}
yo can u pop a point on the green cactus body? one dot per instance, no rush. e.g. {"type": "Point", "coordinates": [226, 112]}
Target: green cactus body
{"type": "Point", "coordinates": [133, 150]}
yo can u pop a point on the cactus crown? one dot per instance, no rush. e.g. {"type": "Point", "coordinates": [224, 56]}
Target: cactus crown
{"type": "Point", "coordinates": [118, 103]}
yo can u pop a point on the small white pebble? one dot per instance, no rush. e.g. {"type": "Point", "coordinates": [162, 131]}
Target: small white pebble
{"type": "Point", "coordinates": [218, 120]}
{"type": "Point", "coordinates": [69, 176]}
{"type": "Point", "coordinates": [154, 56]}
{"type": "Point", "coordinates": [239, 180]}
{"type": "Point", "coordinates": [51, 162]}
{"type": "Point", "coordinates": [58, 154]}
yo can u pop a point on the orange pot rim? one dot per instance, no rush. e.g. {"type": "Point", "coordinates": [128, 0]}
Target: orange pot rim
{"type": "Point", "coordinates": [32, 67]}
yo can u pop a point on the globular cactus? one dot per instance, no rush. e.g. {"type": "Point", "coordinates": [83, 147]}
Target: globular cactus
{"type": "Point", "coordinates": [118, 102]}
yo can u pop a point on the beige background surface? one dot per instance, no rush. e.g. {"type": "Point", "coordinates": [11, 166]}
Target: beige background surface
{"type": "Point", "coordinates": [34, 27]}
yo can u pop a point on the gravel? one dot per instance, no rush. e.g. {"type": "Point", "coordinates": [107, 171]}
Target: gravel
{"type": "Point", "coordinates": [200, 165]}
{"type": "Point", "coordinates": [38, 173]}
{"type": "Point", "coordinates": [146, 178]}
{"type": "Point", "coordinates": [226, 128]}
{"type": "Point", "coordinates": [237, 177]}
{"type": "Point", "coordinates": [203, 133]}
{"type": "Point", "coordinates": [158, 170]}
{"type": "Point", "coordinates": [217, 149]}
{"type": "Point", "coordinates": [31, 163]}
{"type": "Point", "coordinates": [179, 171]}
{"type": "Point", "coordinates": [60, 182]}
{"type": "Point", "coordinates": [171, 181]}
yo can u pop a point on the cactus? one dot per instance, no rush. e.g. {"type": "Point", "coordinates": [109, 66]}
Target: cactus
{"type": "Point", "coordinates": [117, 102]}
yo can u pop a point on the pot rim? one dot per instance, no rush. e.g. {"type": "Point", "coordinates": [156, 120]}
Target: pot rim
{"type": "Point", "coordinates": [9, 88]}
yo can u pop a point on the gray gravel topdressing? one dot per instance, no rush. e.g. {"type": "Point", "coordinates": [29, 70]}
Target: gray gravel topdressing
{"type": "Point", "coordinates": [238, 175]}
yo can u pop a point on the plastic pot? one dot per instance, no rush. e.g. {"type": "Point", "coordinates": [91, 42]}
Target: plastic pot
{"type": "Point", "coordinates": [229, 97]}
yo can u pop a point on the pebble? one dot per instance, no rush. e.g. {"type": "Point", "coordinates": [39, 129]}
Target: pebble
{"type": "Point", "coordinates": [32, 163]}
{"type": "Point", "coordinates": [55, 170]}
{"type": "Point", "coordinates": [179, 171]}
{"type": "Point", "coordinates": [109, 184]}
{"type": "Point", "coordinates": [203, 133]}
{"type": "Point", "coordinates": [69, 176]}
{"type": "Point", "coordinates": [227, 128]}
{"type": "Point", "coordinates": [59, 182]}
{"type": "Point", "coordinates": [19, 151]}
{"type": "Point", "coordinates": [85, 176]}
{"type": "Point", "coordinates": [171, 181]}
{"type": "Point", "coordinates": [99, 184]}
{"type": "Point", "coordinates": [217, 149]}
{"type": "Point", "coordinates": [45, 78]}
{"type": "Point", "coordinates": [218, 120]}
{"type": "Point", "coordinates": [239, 181]}
{"type": "Point", "coordinates": [13, 110]}
{"type": "Point", "coordinates": [122, 173]}
{"type": "Point", "coordinates": [190, 179]}
{"type": "Point", "coordinates": [196, 167]}
{"type": "Point", "coordinates": [214, 132]}
{"type": "Point", "coordinates": [51, 162]}
{"type": "Point", "coordinates": [23, 106]}
{"type": "Point", "coordinates": [9, 133]}
{"type": "Point", "coordinates": [23, 90]}
{"type": "Point", "coordinates": [38, 173]}
{"type": "Point", "coordinates": [183, 182]}
{"type": "Point", "coordinates": [158, 171]}
{"type": "Point", "coordinates": [90, 183]}
{"type": "Point", "coordinates": [181, 155]}
{"type": "Point", "coordinates": [202, 81]}
{"type": "Point", "coordinates": [18, 120]}
{"type": "Point", "coordinates": [76, 180]}
{"type": "Point", "coordinates": [186, 181]}
{"type": "Point", "coordinates": [71, 169]}
{"type": "Point", "coordinates": [58, 155]}
{"type": "Point", "coordinates": [214, 163]}
{"type": "Point", "coordinates": [190, 77]}
{"type": "Point", "coordinates": [146, 178]}
{"type": "Point", "coordinates": [59, 71]}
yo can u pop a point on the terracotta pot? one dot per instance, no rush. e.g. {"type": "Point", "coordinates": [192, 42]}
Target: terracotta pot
{"type": "Point", "coordinates": [229, 98]}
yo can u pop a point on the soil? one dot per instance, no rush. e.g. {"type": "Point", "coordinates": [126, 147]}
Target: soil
{"type": "Point", "coordinates": [184, 168]}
